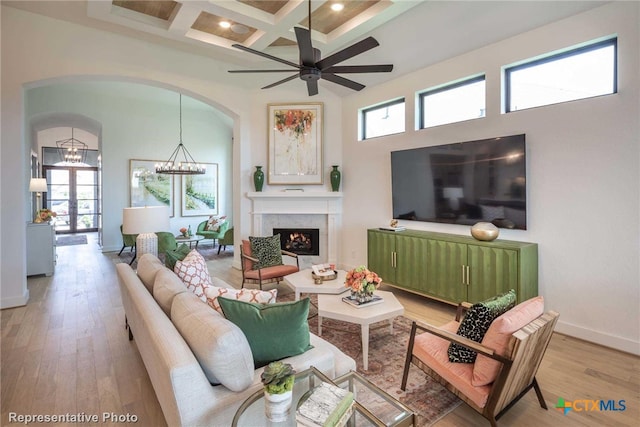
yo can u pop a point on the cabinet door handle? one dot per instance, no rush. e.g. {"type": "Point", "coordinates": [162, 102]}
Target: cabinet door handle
{"type": "Point", "coordinates": [464, 282]}
{"type": "Point", "coordinates": [395, 259]}
{"type": "Point", "coordinates": [468, 283]}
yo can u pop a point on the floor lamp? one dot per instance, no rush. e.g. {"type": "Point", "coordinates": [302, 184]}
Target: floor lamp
{"type": "Point", "coordinates": [145, 222]}
{"type": "Point", "coordinates": [38, 186]}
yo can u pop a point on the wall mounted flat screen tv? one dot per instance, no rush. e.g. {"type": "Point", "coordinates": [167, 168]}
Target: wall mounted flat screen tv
{"type": "Point", "coordinates": [462, 183]}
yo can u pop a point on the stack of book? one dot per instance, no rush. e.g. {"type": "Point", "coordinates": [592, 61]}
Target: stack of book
{"type": "Point", "coordinates": [325, 406]}
{"type": "Point", "coordinates": [397, 228]}
{"type": "Point", "coordinates": [376, 299]}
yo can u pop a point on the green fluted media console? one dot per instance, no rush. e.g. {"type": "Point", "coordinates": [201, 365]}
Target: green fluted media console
{"type": "Point", "coordinates": [453, 268]}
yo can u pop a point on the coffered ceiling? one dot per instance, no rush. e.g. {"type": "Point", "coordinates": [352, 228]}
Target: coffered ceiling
{"type": "Point", "coordinates": [412, 33]}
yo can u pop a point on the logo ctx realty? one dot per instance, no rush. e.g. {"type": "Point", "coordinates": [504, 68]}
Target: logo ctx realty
{"type": "Point", "coordinates": [588, 405]}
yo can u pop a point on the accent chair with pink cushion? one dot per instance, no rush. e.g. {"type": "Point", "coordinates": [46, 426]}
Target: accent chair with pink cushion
{"type": "Point", "coordinates": [505, 368]}
{"type": "Point", "coordinates": [252, 274]}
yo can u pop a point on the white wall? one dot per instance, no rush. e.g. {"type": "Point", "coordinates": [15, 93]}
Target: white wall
{"type": "Point", "coordinates": [31, 40]}
{"type": "Point", "coordinates": [583, 173]}
{"type": "Point", "coordinates": [583, 170]}
{"type": "Point", "coordinates": [142, 122]}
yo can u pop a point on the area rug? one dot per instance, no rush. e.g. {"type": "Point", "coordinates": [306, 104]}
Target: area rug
{"type": "Point", "coordinates": [427, 398]}
{"type": "Point", "coordinates": [68, 240]}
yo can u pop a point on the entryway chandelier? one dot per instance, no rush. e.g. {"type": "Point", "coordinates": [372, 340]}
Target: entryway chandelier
{"type": "Point", "coordinates": [181, 162]}
{"type": "Point", "coordinates": [73, 152]}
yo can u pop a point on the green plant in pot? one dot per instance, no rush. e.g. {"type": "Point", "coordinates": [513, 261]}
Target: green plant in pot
{"type": "Point", "coordinates": [278, 379]}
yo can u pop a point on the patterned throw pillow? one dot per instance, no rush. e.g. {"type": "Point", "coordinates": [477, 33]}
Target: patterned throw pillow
{"type": "Point", "coordinates": [267, 250]}
{"type": "Point", "coordinates": [249, 295]}
{"type": "Point", "coordinates": [193, 272]}
{"type": "Point", "coordinates": [214, 222]}
{"type": "Point", "coordinates": [476, 323]}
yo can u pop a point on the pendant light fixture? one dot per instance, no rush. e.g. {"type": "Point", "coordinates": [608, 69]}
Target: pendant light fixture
{"type": "Point", "coordinates": [72, 152]}
{"type": "Point", "coordinates": [180, 162]}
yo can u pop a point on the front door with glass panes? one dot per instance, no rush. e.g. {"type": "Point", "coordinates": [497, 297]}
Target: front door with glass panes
{"type": "Point", "coordinates": [73, 196]}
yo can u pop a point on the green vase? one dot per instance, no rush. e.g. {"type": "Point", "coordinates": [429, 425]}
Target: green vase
{"type": "Point", "coordinates": [335, 178]}
{"type": "Point", "coordinates": [258, 178]}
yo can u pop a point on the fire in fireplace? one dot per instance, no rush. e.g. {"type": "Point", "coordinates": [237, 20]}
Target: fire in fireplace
{"type": "Point", "coordinates": [301, 241]}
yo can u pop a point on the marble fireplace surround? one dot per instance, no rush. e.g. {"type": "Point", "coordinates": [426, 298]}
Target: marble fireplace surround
{"type": "Point", "coordinates": [321, 210]}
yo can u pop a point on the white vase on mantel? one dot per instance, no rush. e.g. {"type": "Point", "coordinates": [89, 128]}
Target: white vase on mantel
{"type": "Point", "coordinates": [277, 406]}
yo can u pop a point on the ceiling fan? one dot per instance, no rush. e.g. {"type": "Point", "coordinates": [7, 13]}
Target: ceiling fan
{"type": "Point", "coordinates": [312, 68]}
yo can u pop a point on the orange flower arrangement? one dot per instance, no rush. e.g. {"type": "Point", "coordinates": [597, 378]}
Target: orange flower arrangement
{"type": "Point", "coordinates": [362, 281]}
{"type": "Point", "coordinates": [45, 215]}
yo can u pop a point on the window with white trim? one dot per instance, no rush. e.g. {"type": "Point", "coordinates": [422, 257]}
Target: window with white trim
{"type": "Point", "coordinates": [578, 73]}
{"type": "Point", "coordinates": [451, 103]}
{"type": "Point", "coordinates": [383, 119]}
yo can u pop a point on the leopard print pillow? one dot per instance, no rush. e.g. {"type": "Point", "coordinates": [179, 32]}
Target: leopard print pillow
{"type": "Point", "coordinates": [267, 250]}
{"type": "Point", "coordinates": [476, 323]}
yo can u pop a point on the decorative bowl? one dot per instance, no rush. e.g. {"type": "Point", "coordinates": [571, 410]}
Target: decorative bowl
{"type": "Point", "coordinates": [485, 231]}
{"type": "Point", "coordinates": [319, 279]}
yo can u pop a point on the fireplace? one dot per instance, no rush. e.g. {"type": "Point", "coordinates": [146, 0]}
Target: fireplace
{"type": "Point", "coordinates": [301, 241]}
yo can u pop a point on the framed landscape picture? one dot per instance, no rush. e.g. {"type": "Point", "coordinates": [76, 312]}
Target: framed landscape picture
{"type": "Point", "coordinates": [295, 143]}
{"type": "Point", "coordinates": [147, 188]}
{"type": "Point", "coordinates": [200, 192]}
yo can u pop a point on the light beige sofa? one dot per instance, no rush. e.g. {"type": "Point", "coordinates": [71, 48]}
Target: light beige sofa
{"type": "Point", "coordinates": [185, 394]}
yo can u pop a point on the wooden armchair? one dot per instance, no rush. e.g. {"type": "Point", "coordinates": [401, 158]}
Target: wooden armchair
{"type": "Point", "coordinates": [265, 274]}
{"type": "Point", "coordinates": [515, 370]}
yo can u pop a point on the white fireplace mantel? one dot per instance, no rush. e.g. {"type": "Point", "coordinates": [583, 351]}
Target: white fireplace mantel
{"type": "Point", "coordinates": [300, 203]}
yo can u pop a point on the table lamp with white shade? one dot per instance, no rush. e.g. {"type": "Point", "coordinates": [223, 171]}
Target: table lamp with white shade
{"type": "Point", "coordinates": [38, 186]}
{"type": "Point", "coordinates": [144, 222]}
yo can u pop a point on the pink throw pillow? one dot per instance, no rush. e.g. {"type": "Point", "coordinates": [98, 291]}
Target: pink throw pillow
{"type": "Point", "coordinates": [485, 370]}
{"type": "Point", "coordinates": [193, 272]}
{"type": "Point", "coordinates": [249, 295]}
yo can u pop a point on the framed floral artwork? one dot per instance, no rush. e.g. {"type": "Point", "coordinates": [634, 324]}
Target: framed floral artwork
{"type": "Point", "coordinates": [147, 188]}
{"type": "Point", "coordinates": [200, 192]}
{"type": "Point", "coordinates": [295, 143]}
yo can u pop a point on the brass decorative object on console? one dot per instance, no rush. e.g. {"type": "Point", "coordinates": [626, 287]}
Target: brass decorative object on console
{"type": "Point", "coordinates": [484, 231]}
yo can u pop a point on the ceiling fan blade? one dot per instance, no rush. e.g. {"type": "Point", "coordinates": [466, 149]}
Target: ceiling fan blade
{"type": "Point", "coordinates": [342, 81]}
{"type": "Point", "coordinates": [265, 55]}
{"type": "Point", "coordinates": [359, 69]}
{"type": "Point", "coordinates": [307, 57]}
{"type": "Point", "coordinates": [348, 52]}
{"type": "Point", "coordinates": [312, 87]}
{"type": "Point", "coordinates": [279, 82]}
{"type": "Point", "coordinates": [261, 71]}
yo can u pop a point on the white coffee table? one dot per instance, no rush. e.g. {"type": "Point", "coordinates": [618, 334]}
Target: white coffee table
{"type": "Point", "coordinates": [302, 282]}
{"type": "Point", "coordinates": [332, 307]}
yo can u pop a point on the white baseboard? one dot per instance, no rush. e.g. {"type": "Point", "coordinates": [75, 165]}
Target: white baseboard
{"type": "Point", "coordinates": [15, 301]}
{"type": "Point", "coordinates": [612, 341]}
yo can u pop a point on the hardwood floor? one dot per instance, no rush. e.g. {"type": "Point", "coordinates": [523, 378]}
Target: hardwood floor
{"type": "Point", "coordinates": [67, 351]}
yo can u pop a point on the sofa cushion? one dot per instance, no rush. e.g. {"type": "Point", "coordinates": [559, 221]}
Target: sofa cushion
{"type": "Point", "coordinates": [193, 272]}
{"type": "Point", "coordinates": [148, 266]}
{"type": "Point", "coordinates": [266, 250]}
{"type": "Point", "coordinates": [249, 295]}
{"type": "Point", "coordinates": [476, 322]}
{"type": "Point", "coordinates": [166, 286]}
{"type": "Point", "coordinates": [485, 370]}
{"type": "Point", "coordinates": [274, 331]}
{"type": "Point", "coordinates": [219, 346]}
{"type": "Point", "coordinates": [432, 350]}
{"type": "Point", "coordinates": [174, 255]}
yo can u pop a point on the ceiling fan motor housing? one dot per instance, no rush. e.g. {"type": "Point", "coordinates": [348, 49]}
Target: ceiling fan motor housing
{"type": "Point", "coordinates": [310, 74]}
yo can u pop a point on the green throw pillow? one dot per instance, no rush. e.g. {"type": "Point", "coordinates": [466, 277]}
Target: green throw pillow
{"type": "Point", "coordinates": [476, 323]}
{"type": "Point", "coordinates": [274, 331]}
{"type": "Point", "coordinates": [267, 250]}
{"type": "Point", "coordinates": [173, 255]}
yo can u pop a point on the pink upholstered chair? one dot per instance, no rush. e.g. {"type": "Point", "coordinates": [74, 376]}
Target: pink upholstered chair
{"type": "Point", "coordinates": [506, 365]}
{"type": "Point", "coordinates": [265, 274]}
